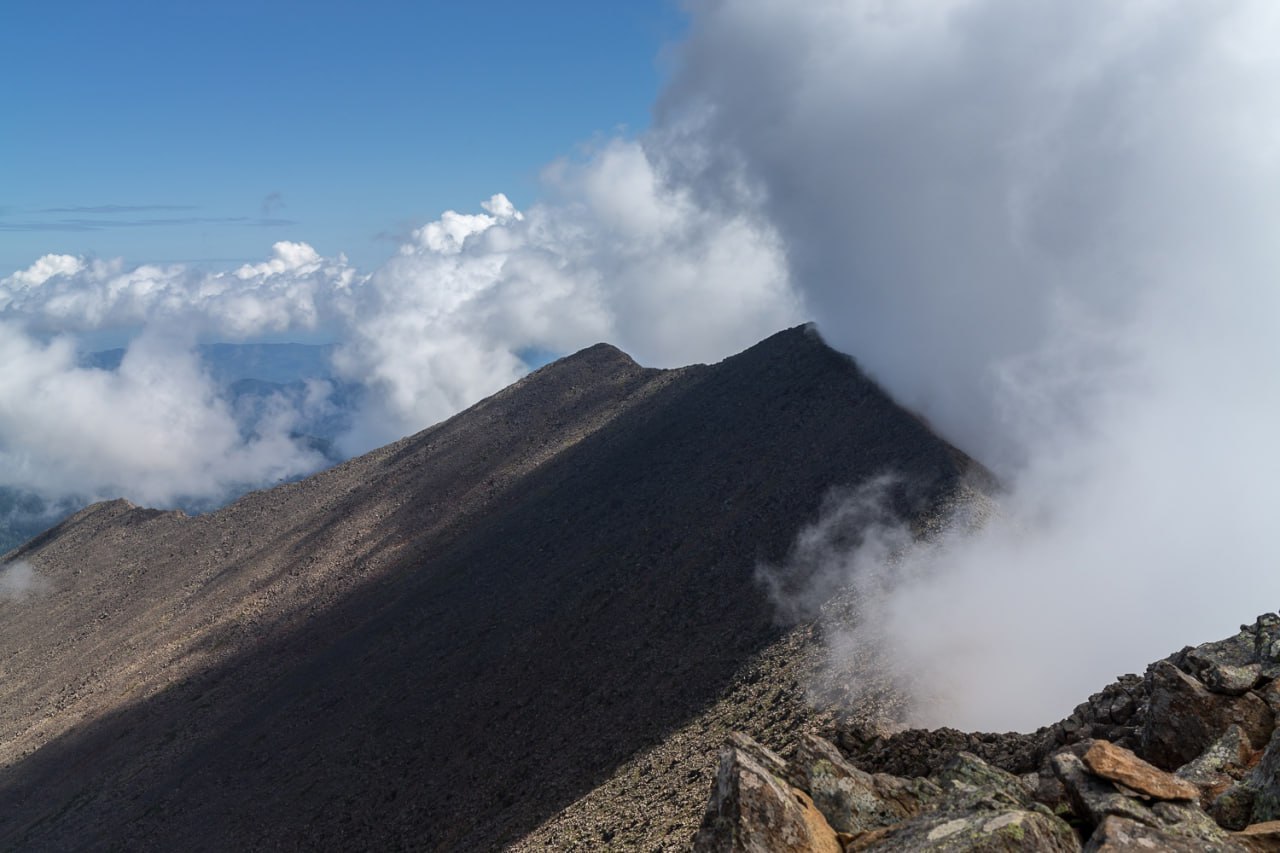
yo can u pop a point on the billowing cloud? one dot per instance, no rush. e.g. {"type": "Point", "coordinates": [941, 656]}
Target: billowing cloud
{"type": "Point", "coordinates": [156, 429]}
{"type": "Point", "coordinates": [621, 254]}
{"type": "Point", "coordinates": [1050, 228]}
{"type": "Point", "coordinates": [295, 289]}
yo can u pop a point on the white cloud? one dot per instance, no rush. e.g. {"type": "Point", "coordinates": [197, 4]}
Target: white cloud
{"type": "Point", "coordinates": [155, 430]}
{"type": "Point", "coordinates": [294, 289]}
{"type": "Point", "coordinates": [621, 255]}
{"type": "Point", "coordinates": [1051, 228]}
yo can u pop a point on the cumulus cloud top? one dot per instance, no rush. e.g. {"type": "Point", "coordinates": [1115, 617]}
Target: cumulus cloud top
{"type": "Point", "coordinates": [622, 255]}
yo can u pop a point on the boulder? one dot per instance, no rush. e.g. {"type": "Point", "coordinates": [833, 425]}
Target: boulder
{"type": "Point", "coordinates": [980, 808]}
{"type": "Point", "coordinates": [1256, 797]}
{"type": "Point", "coordinates": [975, 831]}
{"type": "Point", "coordinates": [967, 779]}
{"type": "Point", "coordinates": [753, 810]}
{"type": "Point", "coordinates": [1122, 835]}
{"type": "Point", "coordinates": [1233, 808]}
{"type": "Point", "coordinates": [852, 800]}
{"type": "Point", "coordinates": [1184, 717]}
{"type": "Point", "coordinates": [1219, 767]}
{"type": "Point", "coordinates": [1266, 631]}
{"type": "Point", "coordinates": [1265, 780]}
{"type": "Point", "coordinates": [1120, 765]}
{"type": "Point", "coordinates": [1092, 799]}
{"type": "Point", "coordinates": [1227, 666]}
{"type": "Point", "coordinates": [1259, 837]}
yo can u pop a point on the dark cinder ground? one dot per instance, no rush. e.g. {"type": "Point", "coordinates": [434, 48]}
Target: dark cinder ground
{"type": "Point", "coordinates": [530, 625]}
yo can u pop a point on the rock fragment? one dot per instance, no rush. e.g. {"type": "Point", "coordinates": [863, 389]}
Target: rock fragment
{"type": "Point", "coordinates": [852, 800]}
{"type": "Point", "coordinates": [1120, 765]}
{"type": "Point", "coordinates": [1184, 717]}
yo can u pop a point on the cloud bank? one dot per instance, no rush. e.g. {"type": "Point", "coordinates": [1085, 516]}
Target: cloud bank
{"type": "Point", "coordinates": [1050, 228]}
{"type": "Point", "coordinates": [620, 253]}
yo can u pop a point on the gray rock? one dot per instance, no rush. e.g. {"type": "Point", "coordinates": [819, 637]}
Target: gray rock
{"type": "Point", "coordinates": [1120, 835]}
{"type": "Point", "coordinates": [1220, 766]}
{"type": "Point", "coordinates": [966, 779]}
{"type": "Point", "coordinates": [1256, 797]}
{"type": "Point", "coordinates": [1093, 799]}
{"type": "Point", "coordinates": [1267, 644]}
{"type": "Point", "coordinates": [981, 808]}
{"type": "Point", "coordinates": [1184, 717]}
{"type": "Point", "coordinates": [753, 810]}
{"type": "Point", "coordinates": [1265, 780]}
{"type": "Point", "coordinates": [973, 832]}
{"type": "Point", "coordinates": [853, 800]}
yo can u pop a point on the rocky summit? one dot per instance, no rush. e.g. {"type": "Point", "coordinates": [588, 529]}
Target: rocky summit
{"type": "Point", "coordinates": [529, 626]}
{"type": "Point", "coordinates": [1185, 758]}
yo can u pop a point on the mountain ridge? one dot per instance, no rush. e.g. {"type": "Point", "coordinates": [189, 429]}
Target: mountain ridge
{"type": "Point", "coordinates": [450, 639]}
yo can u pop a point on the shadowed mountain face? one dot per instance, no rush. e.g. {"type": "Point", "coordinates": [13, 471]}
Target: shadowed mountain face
{"type": "Point", "coordinates": [447, 641]}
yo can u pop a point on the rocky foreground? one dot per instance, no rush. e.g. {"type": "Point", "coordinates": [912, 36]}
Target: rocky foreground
{"type": "Point", "coordinates": [1185, 758]}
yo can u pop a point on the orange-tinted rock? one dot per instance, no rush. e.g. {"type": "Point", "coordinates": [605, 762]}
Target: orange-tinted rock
{"type": "Point", "coordinates": [1260, 837]}
{"type": "Point", "coordinates": [1118, 764]}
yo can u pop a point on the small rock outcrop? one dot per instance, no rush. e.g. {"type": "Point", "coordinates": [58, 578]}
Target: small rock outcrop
{"type": "Point", "coordinates": [755, 810]}
{"type": "Point", "coordinates": [1193, 764]}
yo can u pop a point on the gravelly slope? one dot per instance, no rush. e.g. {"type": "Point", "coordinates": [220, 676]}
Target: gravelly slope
{"type": "Point", "coordinates": [452, 641]}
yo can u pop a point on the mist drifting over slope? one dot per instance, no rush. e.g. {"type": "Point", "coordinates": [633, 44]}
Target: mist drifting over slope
{"type": "Point", "coordinates": [1049, 227]}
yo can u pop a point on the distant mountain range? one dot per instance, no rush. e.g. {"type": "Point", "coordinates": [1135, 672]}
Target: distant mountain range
{"type": "Point", "coordinates": [530, 625]}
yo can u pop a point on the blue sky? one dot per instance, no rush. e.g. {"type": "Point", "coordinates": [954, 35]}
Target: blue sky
{"type": "Point", "coordinates": [160, 131]}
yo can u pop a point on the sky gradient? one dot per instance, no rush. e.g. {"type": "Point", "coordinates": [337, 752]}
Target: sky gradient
{"type": "Point", "coordinates": [162, 132]}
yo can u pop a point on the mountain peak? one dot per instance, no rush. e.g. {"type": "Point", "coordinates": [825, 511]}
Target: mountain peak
{"type": "Point", "coordinates": [518, 599]}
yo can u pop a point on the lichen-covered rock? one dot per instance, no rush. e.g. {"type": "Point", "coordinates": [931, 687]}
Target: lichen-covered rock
{"type": "Point", "coordinates": [976, 831]}
{"type": "Point", "coordinates": [1184, 717]}
{"type": "Point", "coordinates": [980, 808]}
{"type": "Point", "coordinates": [1227, 666]}
{"type": "Point", "coordinates": [967, 778]}
{"type": "Point", "coordinates": [1123, 835]}
{"type": "Point", "coordinates": [753, 810]}
{"type": "Point", "coordinates": [1120, 765]}
{"type": "Point", "coordinates": [1266, 631]}
{"type": "Point", "coordinates": [1256, 797]}
{"type": "Point", "coordinates": [1233, 808]}
{"type": "Point", "coordinates": [1265, 780]}
{"type": "Point", "coordinates": [1092, 799]}
{"type": "Point", "coordinates": [1226, 761]}
{"type": "Point", "coordinates": [852, 800]}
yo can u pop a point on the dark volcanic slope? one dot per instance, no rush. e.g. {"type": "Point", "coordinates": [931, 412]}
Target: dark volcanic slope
{"type": "Point", "coordinates": [445, 642]}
